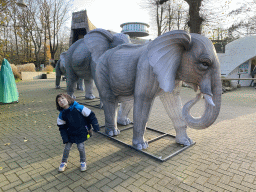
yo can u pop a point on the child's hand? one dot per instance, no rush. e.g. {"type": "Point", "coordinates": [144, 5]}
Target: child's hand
{"type": "Point", "coordinates": [90, 132]}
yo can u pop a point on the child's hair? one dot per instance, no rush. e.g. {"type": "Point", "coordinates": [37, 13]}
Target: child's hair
{"type": "Point", "coordinates": [69, 99]}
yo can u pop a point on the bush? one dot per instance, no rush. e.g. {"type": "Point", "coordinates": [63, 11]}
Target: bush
{"type": "Point", "coordinates": [48, 68]}
{"type": "Point", "coordinates": [26, 67]}
{"type": "Point", "coordinates": [15, 71]}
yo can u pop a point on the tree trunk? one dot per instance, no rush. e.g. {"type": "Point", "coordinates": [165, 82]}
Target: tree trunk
{"type": "Point", "coordinates": [195, 20]}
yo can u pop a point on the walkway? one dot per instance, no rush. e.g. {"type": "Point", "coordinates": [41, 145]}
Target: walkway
{"type": "Point", "coordinates": [223, 158]}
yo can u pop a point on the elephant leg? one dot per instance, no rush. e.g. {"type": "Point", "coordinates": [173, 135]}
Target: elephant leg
{"type": "Point", "coordinates": [71, 82]}
{"type": "Point", "coordinates": [173, 107]}
{"type": "Point", "coordinates": [110, 110]}
{"type": "Point", "coordinates": [80, 84]}
{"type": "Point", "coordinates": [58, 76]}
{"type": "Point", "coordinates": [57, 81]}
{"type": "Point", "coordinates": [88, 83]}
{"type": "Point", "coordinates": [123, 112]}
{"type": "Point", "coordinates": [141, 113]}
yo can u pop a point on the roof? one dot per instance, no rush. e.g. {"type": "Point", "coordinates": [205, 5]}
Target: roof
{"type": "Point", "coordinates": [237, 52]}
{"type": "Point", "coordinates": [90, 25]}
{"type": "Point", "coordinates": [134, 23]}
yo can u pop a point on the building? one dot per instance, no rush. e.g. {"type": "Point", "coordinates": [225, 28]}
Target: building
{"type": "Point", "coordinates": [135, 29]}
{"type": "Point", "coordinates": [80, 26]}
{"type": "Point", "coordinates": [239, 59]}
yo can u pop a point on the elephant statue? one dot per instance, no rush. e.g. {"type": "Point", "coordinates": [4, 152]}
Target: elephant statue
{"type": "Point", "coordinates": [142, 72]}
{"type": "Point", "coordinates": [61, 70]}
{"type": "Point", "coordinates": [78, 59]}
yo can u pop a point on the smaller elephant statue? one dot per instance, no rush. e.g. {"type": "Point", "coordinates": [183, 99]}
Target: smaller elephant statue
{"type": "Point", "coordinates": [142, 72]}
{"type": "Point", "coordinates": [61, 70]}
{"type": "Point", "coordinates": [78, 59]}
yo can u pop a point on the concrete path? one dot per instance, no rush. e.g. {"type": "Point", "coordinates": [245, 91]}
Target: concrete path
{"type": "Point", "coordinates": [223, 159]}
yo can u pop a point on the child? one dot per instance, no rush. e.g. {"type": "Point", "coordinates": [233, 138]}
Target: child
{"type": "Point", "coordinates": [74, 123]}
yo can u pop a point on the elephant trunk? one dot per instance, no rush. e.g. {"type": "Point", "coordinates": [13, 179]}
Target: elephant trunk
{"type": "Point", "coordinates": [211, 88]}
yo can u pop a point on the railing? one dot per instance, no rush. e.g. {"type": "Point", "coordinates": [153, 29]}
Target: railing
{"type": "Point", "coordinates": [238, 78]}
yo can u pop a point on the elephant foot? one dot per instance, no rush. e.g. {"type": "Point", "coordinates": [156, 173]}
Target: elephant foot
{"type": "Point", "coordinates": [184, 141]}
{"type": "Point", "coordinates": [89, 96]}
{"type": "Point", "coordinates": [111, 132]}
{"type": "Point", "coordinates": [182, 137]}
{"type": "Point", "coordinates": [57, 87]}
{"type": "Point", "coordinates": [140, 145]}
{"type": "Point", "coordinates": [123, 120]}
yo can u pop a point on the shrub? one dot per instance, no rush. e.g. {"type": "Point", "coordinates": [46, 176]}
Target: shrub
{"type": "Point", "coordinates": [26, 67]}
{"type": "Point", "coordinates": [15, 71]}
{"type": "Point", "coordinates": [48, 68]}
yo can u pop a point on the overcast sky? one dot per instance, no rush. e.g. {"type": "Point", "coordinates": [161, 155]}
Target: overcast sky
{"type": "Point", "coordinates": [109, 14]}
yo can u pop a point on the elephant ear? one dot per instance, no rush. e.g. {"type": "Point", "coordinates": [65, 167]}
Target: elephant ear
{"type": "Point", "coordinates": [98, 41]}
{"type": "Point", "coordinates": [120, 38]}
{"type": "Point", "coordinates": [165, 54]}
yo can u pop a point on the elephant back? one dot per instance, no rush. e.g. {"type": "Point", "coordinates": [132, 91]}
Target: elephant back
{"type": "Point", "coordinates": [98, 42]}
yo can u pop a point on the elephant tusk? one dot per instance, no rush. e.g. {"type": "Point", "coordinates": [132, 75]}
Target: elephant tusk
{"type": "Point", "coordinates": [209, 100]}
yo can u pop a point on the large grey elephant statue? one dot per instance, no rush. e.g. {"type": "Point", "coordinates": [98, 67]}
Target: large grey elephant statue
{"type": "Point", "coordinates": [60, 70]}
{"type": "Point", "coordinates": [79, 57]}
{"type": "Point", "coordinates": [141, 72]}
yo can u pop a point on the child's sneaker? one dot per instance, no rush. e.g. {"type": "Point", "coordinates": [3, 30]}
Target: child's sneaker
{"type": "Point", "coordinates": [62, 167]}
{"type": "Point", "coordinates": [83, 166]}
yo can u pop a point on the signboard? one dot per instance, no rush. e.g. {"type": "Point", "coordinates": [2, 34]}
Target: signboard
{"type": "Point", "coordinates": [244, 68]}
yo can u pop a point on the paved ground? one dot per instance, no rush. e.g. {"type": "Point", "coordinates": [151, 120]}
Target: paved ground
{"type": "Point", "coordinates": [223, 159]}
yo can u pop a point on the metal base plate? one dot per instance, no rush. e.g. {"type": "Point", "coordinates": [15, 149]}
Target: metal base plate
{"type": "Point", "coordinates": [163, 135]}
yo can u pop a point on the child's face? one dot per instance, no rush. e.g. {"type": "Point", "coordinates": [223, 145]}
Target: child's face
{"type": "Point", "coordinates": [63, 102]}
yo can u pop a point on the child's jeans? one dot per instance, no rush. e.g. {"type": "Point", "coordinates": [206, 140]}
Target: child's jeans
{"type": "Point", "coordinates": [80, 147]}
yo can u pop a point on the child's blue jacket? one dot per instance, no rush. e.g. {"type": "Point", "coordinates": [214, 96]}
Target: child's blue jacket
{"type": "Point", "coordinates": [75, 122]}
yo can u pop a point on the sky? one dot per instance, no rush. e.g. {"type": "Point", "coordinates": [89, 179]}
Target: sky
{"type": "Point", "coordinates": [110, 14]}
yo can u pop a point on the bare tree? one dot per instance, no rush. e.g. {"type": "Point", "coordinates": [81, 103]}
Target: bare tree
{"type": "Point", "coordinates": [246, 26]}
{"type": "Point", "coordinates": [195, 20]}
{"type": "Point", "coordinates": [55, 16]}
{"type": "Point", "coordinates": [33, 27]}
{"type": "Point", "coordinates": [167, 16]}
{"type": "Point", "coordinates": [24, 32]}
{"type": "Point", "coordinates": [4, 4]}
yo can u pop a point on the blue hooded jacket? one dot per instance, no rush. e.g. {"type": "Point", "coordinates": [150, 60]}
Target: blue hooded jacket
{"type": "Point", "coordinates": [75, 122]}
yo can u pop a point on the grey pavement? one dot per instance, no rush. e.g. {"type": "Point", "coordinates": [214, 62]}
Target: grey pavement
{"type": "Point", "coordinates": [223, 158]}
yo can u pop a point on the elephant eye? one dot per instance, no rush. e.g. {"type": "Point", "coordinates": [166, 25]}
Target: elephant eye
{"type": "Point", "coordinates": [203, 66]}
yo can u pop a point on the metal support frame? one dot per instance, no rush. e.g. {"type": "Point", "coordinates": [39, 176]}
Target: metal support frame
{"type": "Point", "coordinates": [150, 141]}
{"type": "Point", "coordinates": [90, 102]}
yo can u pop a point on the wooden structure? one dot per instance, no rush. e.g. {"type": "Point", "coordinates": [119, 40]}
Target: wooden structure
{"type": "Point", "coordinates": [80, 26]}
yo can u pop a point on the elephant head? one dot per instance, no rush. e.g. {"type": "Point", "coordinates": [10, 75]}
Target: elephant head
{"type": "Point", "coordinates": [191, 58]}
